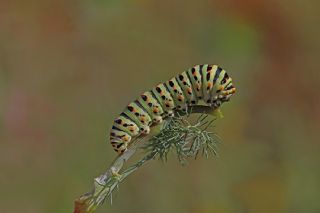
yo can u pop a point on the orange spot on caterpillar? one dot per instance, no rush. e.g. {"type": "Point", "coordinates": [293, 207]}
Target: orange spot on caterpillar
{"type": "Point", "coordinates": [198, 87]}
{"type": "Point", "coordinates": [125, 138]}
{"type": "Point", "coordinates": [180, 98]}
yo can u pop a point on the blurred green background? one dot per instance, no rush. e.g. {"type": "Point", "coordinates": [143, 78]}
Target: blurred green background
{"type": "Point", "coordinates": [67, 68]}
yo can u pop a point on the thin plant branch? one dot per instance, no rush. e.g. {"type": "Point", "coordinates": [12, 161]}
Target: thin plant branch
{"type": "Point", "coordinates": [188, 140]}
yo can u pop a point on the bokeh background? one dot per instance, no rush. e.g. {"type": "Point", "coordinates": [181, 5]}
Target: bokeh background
{"type": "Point", "coordinates": [67, 68]}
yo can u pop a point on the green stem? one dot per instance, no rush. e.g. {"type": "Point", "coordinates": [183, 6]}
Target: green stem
{"type": "Point", "coordinates": [105, 183]}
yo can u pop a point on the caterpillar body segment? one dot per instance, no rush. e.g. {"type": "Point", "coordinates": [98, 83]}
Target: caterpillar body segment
{"type": "Point", "coordinates": [196, 80]}
{"type": "Point", "coordinates": [227, 89]}
{"type": "Point", "coordinates": [226, 85]}
{"type": "Point", "coordinates": [177, 94]}
{"type": "Point", "coordinates": [137, 114]}
{"type": "Point", "coordinates": [187, 89]}
{"type": "Point", "coordinates": [152, 106]}
{"type": "Point", "coordinates": [119, 139]}
{"type": "Point", "coordinates": [164, 98]}
{"type": "Point", "coordinates": [215, 92]}
{"type": "Point", "coordinates": [219, 78]}
{"type": "Point", "coordinates": [121, 135]}
{"type": "Point", "coordinates": [209, 84]}
{"type": "Point", "coordinates": [124, 124]}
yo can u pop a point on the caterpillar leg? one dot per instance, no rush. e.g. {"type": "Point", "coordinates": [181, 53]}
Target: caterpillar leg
{"type": "Point", "coordinates": [145, 130]}
{"type": "Point", "coordinates": [119, 140]}
{"type": "Point", "coordinates": [216, 103]}
{"type": "Point", "coordinates": [170, 113]}
{"type": "Point", "coordinates": [229, 92]}
{"type": "Point", "coordinates": [157, 119]}
{"type": "Point", "coordinates": [226, 94]}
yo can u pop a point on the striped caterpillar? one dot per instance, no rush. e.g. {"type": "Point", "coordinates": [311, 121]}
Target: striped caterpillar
{"type": "Point", "coordinates": [208, 83]}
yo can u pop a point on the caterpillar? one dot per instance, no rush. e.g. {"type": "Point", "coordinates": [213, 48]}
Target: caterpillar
{"type": "Point", "coordinates": [207, 83]}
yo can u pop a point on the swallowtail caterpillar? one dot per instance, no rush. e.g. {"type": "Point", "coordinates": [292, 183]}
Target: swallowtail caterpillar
{"type": "Point", "coordinates": [209, 84]}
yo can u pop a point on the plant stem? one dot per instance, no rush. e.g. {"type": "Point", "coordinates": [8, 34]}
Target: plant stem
{"type": "Point", "coordinates": [109, 180]}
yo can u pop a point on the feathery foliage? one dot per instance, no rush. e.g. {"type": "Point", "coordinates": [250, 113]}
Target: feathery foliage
{"type": "Point", "coordinates": [178, 135]}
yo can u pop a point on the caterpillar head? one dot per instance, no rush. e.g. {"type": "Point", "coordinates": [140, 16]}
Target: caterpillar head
{"type": "Point", "coordinates": [121, 149]}
{"type": "Point", "coordinates": [118, 145]}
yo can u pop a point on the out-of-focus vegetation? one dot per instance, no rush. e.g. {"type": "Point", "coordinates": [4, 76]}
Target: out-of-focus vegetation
{"type": "Point", "coordinates": [68, 67]}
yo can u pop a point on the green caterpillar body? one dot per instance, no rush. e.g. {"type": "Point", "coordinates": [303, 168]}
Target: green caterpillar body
{"type": "Point", "coordinates": [209, 83]}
